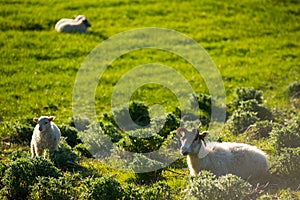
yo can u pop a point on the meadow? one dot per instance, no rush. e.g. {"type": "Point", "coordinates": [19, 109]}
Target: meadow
{"type": "Point", "coordinates": [253, 44]}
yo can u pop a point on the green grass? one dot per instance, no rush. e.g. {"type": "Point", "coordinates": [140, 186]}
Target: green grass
{"type": "Point", "coordinates": [254, 43]}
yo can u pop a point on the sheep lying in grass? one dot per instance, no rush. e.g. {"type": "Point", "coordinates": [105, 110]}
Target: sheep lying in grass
{"type": "Point", "coordinates": [46, 135]}
{"type": "Point", "coordinates": [239, 159]}
{"type": "Point", "coordinates": [80, 25]}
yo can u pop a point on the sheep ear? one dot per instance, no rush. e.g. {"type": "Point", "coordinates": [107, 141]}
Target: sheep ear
{"type": "Point", "coordinates": [179, 131]}
{"type": "Point", "coordinates": [51, 118]}
{"type": "Point", "coordinates": [36, 119]}
{"type": "Point", "coordinates": [204, 134]}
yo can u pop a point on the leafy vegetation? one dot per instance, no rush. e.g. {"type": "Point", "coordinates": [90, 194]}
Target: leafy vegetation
{"type": "Point", "coordinates": [254, 44]}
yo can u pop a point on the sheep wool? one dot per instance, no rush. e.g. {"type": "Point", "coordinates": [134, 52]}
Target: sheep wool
{"type": "Point", "coordinates": [80, 25]}
{"type": "Point", "coordinates": [243, 160]}
{"type": "Point", "coordinates": [46, 135]}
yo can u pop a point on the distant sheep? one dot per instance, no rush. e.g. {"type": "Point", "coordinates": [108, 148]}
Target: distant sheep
{"type": "Point", "coordinates": [240, 159]}
{"type": "Point", "coordinates": [80, 25]}
{"type": "Point", "coordinates": [46, 135]}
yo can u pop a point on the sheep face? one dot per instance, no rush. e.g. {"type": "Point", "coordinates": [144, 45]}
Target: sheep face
{"type": "Point", "coordinates": [191, 141]}
{"type": "Point", "coordinates": [44, 122]}
{"type": "Point", "coordinates": [83, 19]}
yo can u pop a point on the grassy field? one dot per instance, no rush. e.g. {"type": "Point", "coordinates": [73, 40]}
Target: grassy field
{"type": "Point", "coordinates": [253, 43]}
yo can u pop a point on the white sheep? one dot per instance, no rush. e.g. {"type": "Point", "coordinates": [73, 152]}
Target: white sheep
{"type": "Point", "coordinates": [80, 24]}
{"type": "Point", "coordinates": [46, 135]}
{"type": "Point", "coordinates": [243, 160]}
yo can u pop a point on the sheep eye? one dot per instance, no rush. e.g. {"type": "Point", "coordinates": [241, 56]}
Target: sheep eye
{"type": "Point", "coordinates": [46, 122]}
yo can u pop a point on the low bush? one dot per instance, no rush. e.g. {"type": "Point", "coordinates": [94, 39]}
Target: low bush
{"type": "Point", "coordinates": [51, 188]}
{"type": "Point", "coordinates": [260, 129]}
{"type": "Point", "coordinates": [71, 135]}
{"type": "Point", "coordinates": [22, 173]}
{"type": "Point", "coordinates": [288, 162]}
{"type": "Point", "coordinates": [101, 188]}
{"type": "Point", "coordinates": [80, 123]}
{"type": "Point", "coordinates": [139, 116]}
{"type": "Point", "coordinates": [96, 142]}
{"type": "Point", "coordinates": [207, 186]}
{"type": "Point", "coordinates": [112, 132]}
{"type": "Point", "coordinates": [287, 135]}
{"type": "Point", "coordinates": [240, 121]}
{"type": "Point", "coordinates": [147, 166]}
{"type": "Point", "coordinates": [247, 93]}
{"type": "Point", "coordinates": [64, 158]}
{"type": "Point", "coordinates": [141, 141]}
{"type": "Point", "coordinates": [294, 89]}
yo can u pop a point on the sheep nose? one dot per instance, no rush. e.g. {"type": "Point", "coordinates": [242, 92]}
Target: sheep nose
{"type": "Point", "coordinates": [40, 129]}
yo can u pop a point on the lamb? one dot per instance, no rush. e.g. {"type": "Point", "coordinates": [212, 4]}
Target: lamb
{"type": "Point", "coordinates": [243, 160]}
{"type": "Point", "coordinates": [46, 135]}
{"type": "Point", "coordinates": [80, 24]}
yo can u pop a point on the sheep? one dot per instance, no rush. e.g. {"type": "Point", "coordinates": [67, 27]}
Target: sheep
{"type": "Point", "coordinates": [80, 24]}
{"type": "Point", "coordinates": [46, 135]}
{"type": "Point", "coordinates": [243, 160]}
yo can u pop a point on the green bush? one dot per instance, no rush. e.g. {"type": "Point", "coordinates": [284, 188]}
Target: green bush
{"type": "Point", "coordinates": [171, 123]}
{"type": "Point", "coordinates": [80, 123]}
{"type": "Point", "coordinates": [294, 89]}
{"type": "Point", "coordinates": [102, 188]}
{"type": "Point", "coordinates": [139, 115]}
{"type": "Point", "coordinates": [64, 158]}
{"type": "Point", "coordinates": [141, 141]}
{"type": "Point", "coordinates": [206, 186]}
{"type": "Point", "coordinates": [82, 150]}
{"type": "Point", "coordinates": [142, 163]}
{"type": "Point", "coordinates": [286, 136]}
{"type": "Point", "coordinates": [96, 142]}
{"type": "Point", "coordinates": [288, 162]}
{"type": "Point", "coordinates": [71, 135]}
{"type": "Point", "coordinates": [247, 93]}
{"type": "Point", "coordinates": [240, 121]}
{"type": "Point", "coordinates": [51, 188]}
{"type": "Point", "coordinates": [252, 106]}
{"type": "Point", "coordinates": [111, 131]}
{"type": "Point", "coordinates": [22, 173]}
{"type": "Point", "coordinates": [260, 129]}
{"type": "Point", "coordinates": [156, 191]}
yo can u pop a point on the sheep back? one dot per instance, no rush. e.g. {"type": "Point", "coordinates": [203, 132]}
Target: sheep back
{"type": "Point", "coordinates": [240, 159]}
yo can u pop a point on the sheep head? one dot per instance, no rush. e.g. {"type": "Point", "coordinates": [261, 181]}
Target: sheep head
{"type": "Point", "coordinates": [191, 141]}
{"type": "Point", "coordinates": [44, 122]}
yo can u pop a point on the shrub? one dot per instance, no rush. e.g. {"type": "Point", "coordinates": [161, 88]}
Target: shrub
{"type": "Point", "coordinates": [71, 135]}
{"type": "Point", "coordinates": [96, 142]}
{"type": "Point", "coordinates": [143, 164]}
{"type": "Point", "coordinates": [247, 93]}
{"type": "Point", "coordinates": [139, 115]}
{"type": "Point", "coordinates": [64, 158]}
{"type": "Point", "coordinates": [50, 188]}
{"type": "Point", "coordinates": [22, 173]}
{"type": "Point", "coordinates": [206, 186]}
{"type": "Point", "coordinates": [171, 123]}
{"type": "Point", "coordinates": [294, 89]}
{"type": "Point", "coordinates": [113, 133]}
{"type": "Point", "coordinates": [17, 154]}
{"type": "Point", "coordinates": [241, 120]}
{"type": "Point", "coordinates": [80, 123]}
{"type": "Point", "coordinates": [157, 191]}
{"type": "Point", "coordinates": [141, 141]}
{"type": "Point", "coordinates": [288, 162]}
{"type": "Point", "coordinates": [252, 106]}
{"type": "Point", "coordinates": [286, 136]}
{"type": "Point", "coordinates": [82, 150]}
{"type": "Point", "coordinates": [19, 132]}
{"type": "Point", "coordinates": [260, 129]}
{"type": "Point", "coordinates": [102, 188]}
